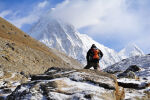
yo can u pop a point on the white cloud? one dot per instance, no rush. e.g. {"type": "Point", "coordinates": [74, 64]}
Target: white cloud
{"type": "Point", "coordinates": [42, 4]}
{"type": "Point", "coordinates": [5, 13]}
{"type": "Point", "coordinates": [32, 16]}
{"type": "Point", "coordinates": [121, 19]}
{"type": "Point", "coordinates": [25, 20]}
{"type": "Point", "coordinates": [143, 43]}
{"type": "Point", "coordinates": [105, 16]}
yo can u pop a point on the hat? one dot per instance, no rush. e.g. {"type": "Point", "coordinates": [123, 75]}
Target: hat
{"type": "Point", "coordinates": [93, 46]}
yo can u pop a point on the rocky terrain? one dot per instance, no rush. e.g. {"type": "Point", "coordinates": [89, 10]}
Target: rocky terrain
{"type": "Point", "coordinates": [134, 75]}
{"type": "Point", "coordinates": [69, 84]}
{"type": "Point", "coordinates": [9, 81]}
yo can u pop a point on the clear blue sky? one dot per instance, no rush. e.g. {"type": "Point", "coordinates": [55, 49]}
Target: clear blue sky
{"type": "Point", "coordinates": [114, 23]}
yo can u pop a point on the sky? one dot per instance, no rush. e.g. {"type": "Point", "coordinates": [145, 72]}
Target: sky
{"type": "Point", "coordinates": [113, 23]}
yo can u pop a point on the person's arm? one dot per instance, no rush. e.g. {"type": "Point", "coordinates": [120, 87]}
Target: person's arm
{"type": "Point", "coordinates": [101, 53]}
{"type": "Point", "coordinates": [87, 56]}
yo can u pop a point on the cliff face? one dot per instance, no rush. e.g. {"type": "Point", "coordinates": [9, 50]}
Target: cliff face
{"type": "Point", "coordinates": [19, 52]}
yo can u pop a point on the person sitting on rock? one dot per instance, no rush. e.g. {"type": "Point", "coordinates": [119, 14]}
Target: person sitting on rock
{"type": "Point", "coordinates": [93, 56]}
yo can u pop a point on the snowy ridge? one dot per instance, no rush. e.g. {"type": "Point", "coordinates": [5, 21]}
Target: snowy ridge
{"type": "Point", "coordinates": [141, 61]}
{"type": "Point", "coordinates": [64, 37]}
{"type": "Point", "coordinates": [130, 50]}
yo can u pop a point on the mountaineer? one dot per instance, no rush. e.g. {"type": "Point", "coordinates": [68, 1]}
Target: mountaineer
{"type": "Point", "coordinates": [93, 56]}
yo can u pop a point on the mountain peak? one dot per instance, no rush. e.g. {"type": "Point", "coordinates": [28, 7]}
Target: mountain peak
{"type": "Point", "coordinates": [47, 25]}
{"type": "Point", "coordinates": [64, 37]}
{"type": "Point", "coordinates": [131, 50]}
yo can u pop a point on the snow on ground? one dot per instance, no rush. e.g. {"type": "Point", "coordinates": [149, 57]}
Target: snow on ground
{"type": "Point", "coordinates": [8, 83]}
{"type": "Point", "coordinates": [127, 80]}
{"type": "Point", "coordinates": [67, 84]}
{"type": "Point", "coordinates": [81, 89]}
{"type": "Point", "coordinates": [143, 76]}
{"type": "Point", "coordinates": [133, 94]}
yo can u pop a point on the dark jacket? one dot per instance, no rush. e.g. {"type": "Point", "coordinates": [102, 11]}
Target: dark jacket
{"type": "Point", "coordinates": [90, 54]}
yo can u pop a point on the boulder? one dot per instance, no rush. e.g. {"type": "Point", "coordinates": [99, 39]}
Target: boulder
{"type": "Point", "coordinates": [133, 68]}
{"type": "Point", "coordinates": [69, 84]}
{"type": "Point", "coordinates": [129, 74]}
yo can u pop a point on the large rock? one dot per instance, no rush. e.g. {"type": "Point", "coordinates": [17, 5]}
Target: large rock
{"type": "Point", "coordinates": [69, 84]}
{"type": "Point", "coordinates": [130, 72]}
{"type": "Point", "coordinates": [133, 68]}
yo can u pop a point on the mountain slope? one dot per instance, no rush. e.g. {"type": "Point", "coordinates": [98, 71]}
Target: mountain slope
{"type": "Point", "coordinates": [20, 52]}
{"type": "Point", "coordinates": [64, 37]}
{"type": "Point", "coordinates": [141, 61]}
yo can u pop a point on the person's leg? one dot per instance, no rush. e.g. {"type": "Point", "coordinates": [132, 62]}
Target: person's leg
{"type": "Point", "coordinates": [88, 66]}
{"type": "Point", "coordinates": [96, 66]}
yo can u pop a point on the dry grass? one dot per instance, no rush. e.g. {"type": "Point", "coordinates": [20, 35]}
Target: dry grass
{"type": "Point", "coordinates": [108, 96]}
{"type": "Point", "coordinates": [17, 36]}
{"type": "Point", "coordinates": [6, 75]}
{"type": "Point", "coordinates": [120, 93]}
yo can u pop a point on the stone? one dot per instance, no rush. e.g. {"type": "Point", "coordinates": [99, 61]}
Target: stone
{"type": "Point", "coordinates": [133, 68]}
{"type": "Point", "coordinates": [129, 74]}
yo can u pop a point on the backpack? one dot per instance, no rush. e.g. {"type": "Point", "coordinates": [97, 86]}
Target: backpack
{"type": "Point", "coordinates": [95, 54]}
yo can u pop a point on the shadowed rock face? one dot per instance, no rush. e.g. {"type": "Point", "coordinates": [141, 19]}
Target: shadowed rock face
{"type": "Point", "coordinates": [69, 84]}
{"type": "Point", "coordinates": [129, 72]}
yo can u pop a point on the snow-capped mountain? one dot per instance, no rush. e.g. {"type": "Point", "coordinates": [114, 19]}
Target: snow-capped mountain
{"type": "Point", "coordinates": [64, 37]}
{"type": "Point", "coordinates": [130, 50]}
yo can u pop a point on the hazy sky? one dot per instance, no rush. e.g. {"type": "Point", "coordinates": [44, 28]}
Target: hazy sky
{"type": "Point", "coordinates": [114, 23]}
